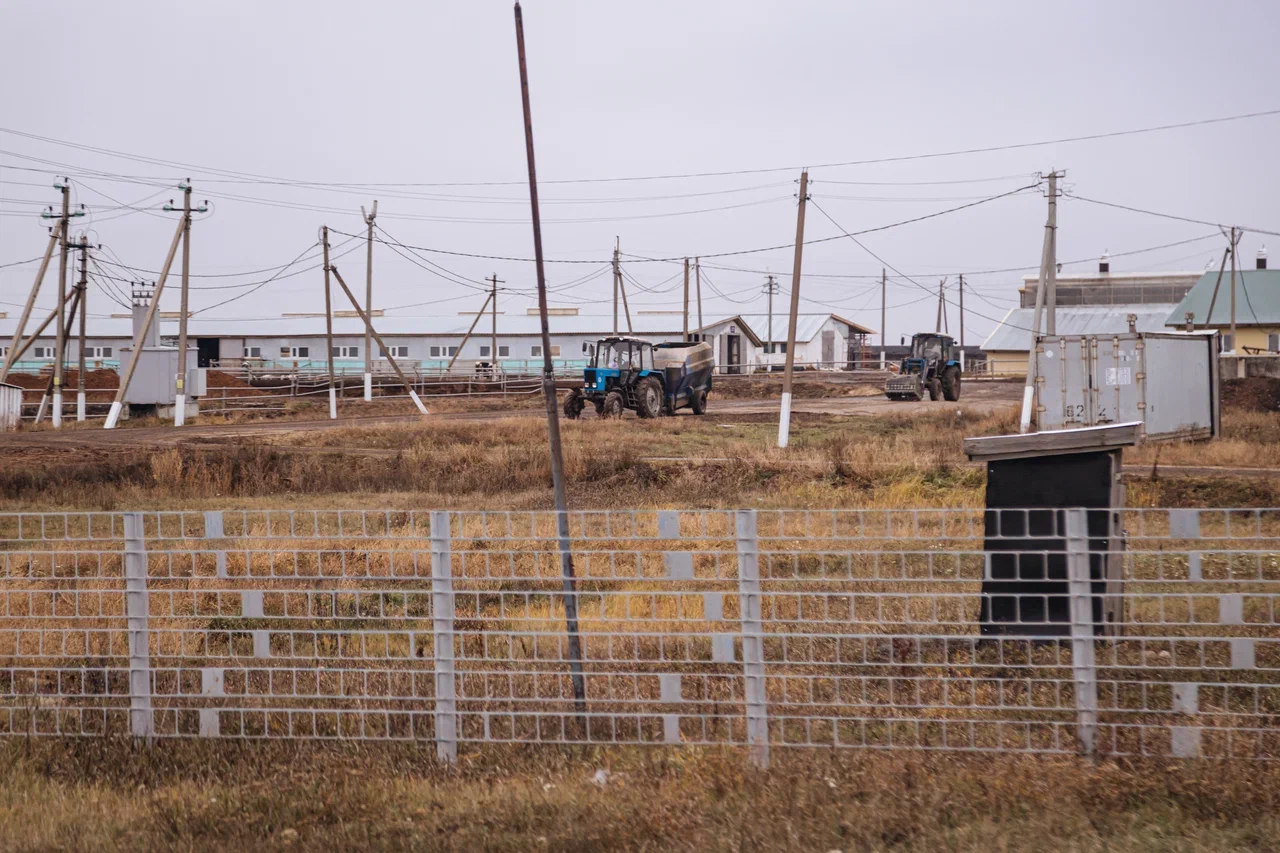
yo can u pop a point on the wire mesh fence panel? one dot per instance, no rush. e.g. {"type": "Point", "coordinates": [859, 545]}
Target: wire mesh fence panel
{"type": "Point", "coordinates": [947, 629]}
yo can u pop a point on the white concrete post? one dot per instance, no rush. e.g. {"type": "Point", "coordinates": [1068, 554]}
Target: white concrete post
{"type": "Point", "coordinates": [752, 638]}
{"type": "Point", "coordinates": [213, 529]}
{"type": "Point", "coordinates": [442, 639]}
{"type": "Point", "coordinates": [1083, 668]}
{"type": "Point", "coordinates": [137, 611]}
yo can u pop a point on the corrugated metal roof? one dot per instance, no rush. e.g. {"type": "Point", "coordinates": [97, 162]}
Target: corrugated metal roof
{"type": "Point", "coordinates": [278, 327]}
{"type": "Point", "coordinates": [1257, 300]}
{"type": "Point", "coordinates": [1014, 333]}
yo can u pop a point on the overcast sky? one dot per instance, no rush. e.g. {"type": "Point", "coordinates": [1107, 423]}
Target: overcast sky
{"type": "Point", "coordinates": [413, 94]}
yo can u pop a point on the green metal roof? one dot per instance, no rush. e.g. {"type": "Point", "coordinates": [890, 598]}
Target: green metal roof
{"type": "Point", "coordinates": [1257, 300]}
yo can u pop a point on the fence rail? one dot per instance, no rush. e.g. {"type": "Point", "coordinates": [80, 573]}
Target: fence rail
{"type": "Point", "coordinates": [764, 629]}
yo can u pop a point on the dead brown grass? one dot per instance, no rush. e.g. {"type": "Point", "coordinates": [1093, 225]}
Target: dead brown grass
{"type": "Point", "coordinates": [111, 795]}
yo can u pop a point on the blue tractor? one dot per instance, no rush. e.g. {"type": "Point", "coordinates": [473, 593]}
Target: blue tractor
{"type": "Point", "coordinates": [932, 364]}
{"type": "Point", "coordinates": [651, 380]}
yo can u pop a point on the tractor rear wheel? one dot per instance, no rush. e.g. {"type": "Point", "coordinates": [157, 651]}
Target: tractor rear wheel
{"type": "Point", "coordinates": [574, 405]}
{"type": "Point", "coordinates": [648, 398]}
{"type": "Point", "coordinates": [935, 389]}
{"type": "Point", "coordinates": [951, 384]}
{"type": "Point", "coordinates": [698, 402]}
{"type": "Point", "coordinates": [612, 407]}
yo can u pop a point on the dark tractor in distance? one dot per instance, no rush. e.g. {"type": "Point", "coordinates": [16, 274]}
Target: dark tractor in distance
{"type": "Point", "coordinates": [933, 365]}
{"type": "Point", "coordinates": [632, 373]}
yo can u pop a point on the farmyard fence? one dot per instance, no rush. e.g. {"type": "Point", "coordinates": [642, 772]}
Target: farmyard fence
{"type": "Point", "coordinates": [764, 629]}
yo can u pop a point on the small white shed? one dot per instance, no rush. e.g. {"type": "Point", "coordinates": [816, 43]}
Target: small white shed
{"type": "Point", "coordinates": [10, 407]}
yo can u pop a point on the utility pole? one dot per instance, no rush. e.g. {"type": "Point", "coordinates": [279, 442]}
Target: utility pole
{"type": "Point", "coordinates": [784, 421]}
{"type": "Point", "coordinates": [493, 345]}
{"type": "Point", "coordinates": [883, 323]}
{"type": "Point", "coordinates": [15, 346]}
{"type": "Point", "coordinates": [61, 343]}
{"type": "Point", "coordinates": [1235, 240]}
{"type": "Point", "coordinates": [686, 299]}
{"type": "Point", "coordinates": [368, 304]}
{"type": "Point", "coordinates": [328, 323]}
{"type": "Point", "coordinates": [697, 270]}
{"type": "Point", "coordinates": [404, 380]}
{"type": "Point", "coordinates": [937, 329]}
{"type": "Point", "coordinates": [1051, 275]}
{"type": "Point", "coordinates": [770, 288]}
{"type": "Point", "coordinates": [81, 302]}
{"type": "Point", "coordinates": [569, 584]}
{"type": "Point", "coordinates": [476, 322]}
{"type": "Point", "coordinates": [962, 312]}
{"type": "Point", "coordinates": [1048, 264]}
{"type": "Point", "coordinates": [117, 405]}
{"type": "Point", "coordinates": [180, 398]}
{"type": "Point", "coordinates": [617, 282]}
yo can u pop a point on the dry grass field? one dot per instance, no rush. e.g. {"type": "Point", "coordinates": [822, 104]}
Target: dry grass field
{"type": "Point", "coordinates": [112, 794]}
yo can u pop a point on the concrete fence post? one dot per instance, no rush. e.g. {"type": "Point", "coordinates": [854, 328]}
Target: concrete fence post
{"type": "Point", "coordinates": [442, 639]}
{"type": "Point", "coordinates": [752, 638]}
{"type": "Point", "coordinates": [137, 609]}
{"type": "Point", "coordinates": [213, 529]}
{"type": "Point", "coordinates": [1083, 668]}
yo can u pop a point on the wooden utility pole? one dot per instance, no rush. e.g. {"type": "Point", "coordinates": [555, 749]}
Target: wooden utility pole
{"type": "Point", "coordinates": [48, 390]}
{"type": "Point", "coordinates": [617, 282]}
{"type": "Point", "coordinates": [622, 286]}
{"type": "Point", "coordinates": [1047, 262]}
{"type": "Point", "coordinates": [1051, 274]}
{"type": "Point", "coordinates": [553, 414]}
{"type": "Point", "coordinates": [686, 299]}
{"type": "Point", "coordinates": [493, 344]}
{"type": "Point", "coordinates": [784, 421]}
{"type": "Point", "coordinates": [15, 345]}
{"type": "Point", "coordinates": [81, 300]}
{"type": "Point", "coordinates": [962, 311]}
{"type": "Point", "coordinates": [368, 303]}
{"type": "Point", "coordinates": [404, 380]}
{"type": "Point", "coordinates": [770, 289]}
{"type": "Point", "coordinates": [328, 324]}
{"type": "Point", "coordinates": [1208, 318]}
{"type": "Point", "coordinates": [180, 398]}
{"type": "Point", "coordinates": [937, 329]}
{"type": "Point", "coordinates": [884, 326]}
{"type": "Point", "coordinates": [697, 270]}
{"type": "Point", "coordinates": [113, 416]}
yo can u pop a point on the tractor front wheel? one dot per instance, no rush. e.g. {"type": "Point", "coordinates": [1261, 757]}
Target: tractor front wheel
{"type": "Point", "coordinates": [612, 407]}
{"type": "Point", "coordinates": [649, 398]}
{"type": "Point", "coordinates": [951, 384]}
{"type": "Point", "coordinates": [698, 402]}
{"type": "Point", "coordinates": [935, 389]}
{"type": "Point", "coordinates": [574, 405]}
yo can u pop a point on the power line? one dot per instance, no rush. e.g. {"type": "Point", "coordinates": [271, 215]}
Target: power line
{"type": "Point", "coordinates": [1168, 215]}
{"type": "Point", "coordinates": [709, 174]}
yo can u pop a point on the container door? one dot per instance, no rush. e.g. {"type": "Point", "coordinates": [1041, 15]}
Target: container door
{"type": "Point", "coordinates": [1116, 379]}
{"type": "Point", "coordinates": [1062, 371]}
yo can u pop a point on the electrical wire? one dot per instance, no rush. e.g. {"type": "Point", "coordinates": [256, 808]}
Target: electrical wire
{"type": "Point", "coordinates": [1169, 215]}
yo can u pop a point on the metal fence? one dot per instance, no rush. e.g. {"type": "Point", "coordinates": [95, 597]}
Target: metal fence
{"type": "Point", "coordinates": [765, 629]}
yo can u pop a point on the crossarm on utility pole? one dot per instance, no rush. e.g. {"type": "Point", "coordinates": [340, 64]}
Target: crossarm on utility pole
{"type": "Point", "coordinates": [117, 404]}
{"type": "Point", "coordinates": [14, 345]}
{"type": "Point", "coordinates": [413, 395]}
{"type": "Point", "coordinates": [467, 336]}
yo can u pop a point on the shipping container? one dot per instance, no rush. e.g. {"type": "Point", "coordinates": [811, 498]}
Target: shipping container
{"type": "Point", "coordinates": [1165, 381]}
{"type": "Point", "coordinates": [10, 407]}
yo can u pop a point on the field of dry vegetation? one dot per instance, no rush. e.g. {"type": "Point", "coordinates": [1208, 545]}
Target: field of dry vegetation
{"type": "Point", "coordinates": [109, 794]}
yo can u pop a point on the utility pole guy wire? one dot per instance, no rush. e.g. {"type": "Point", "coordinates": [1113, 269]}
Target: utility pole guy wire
{"type": "Point", "coordinates": [549, 391]}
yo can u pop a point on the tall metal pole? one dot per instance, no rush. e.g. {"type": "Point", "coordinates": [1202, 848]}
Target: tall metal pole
{"type": "Point", "coordinates": [617, 281]}
{"type": "Point", "coordinates": [15, 345]}
{"type": "Point", "coordinates": [180, 398]}
{"type": "Point", "coordinates": [60, 349]}
{"type": "Point", "coordinates": [549, 391]}
{"type": "Point", "coordinates": [686, 299]}
{"type": "Point", "coordinates": [368, 303]}
{"type": "Point", "coordinates": [884, 325]}
{"type": "Point", "coordinates": [697, 269]}
{"type": "Point", "coordinates": [328, 323]}
{"type": "Point", "coordinates": [784, 421]}
{"type": "Point", "coordinates": [1046, 261]}
{"type": "Point", "coordinates": [83, 305]}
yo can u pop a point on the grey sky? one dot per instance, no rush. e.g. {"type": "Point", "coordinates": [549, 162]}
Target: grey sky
{"type": "Point", "coordinates": [428, 93]}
